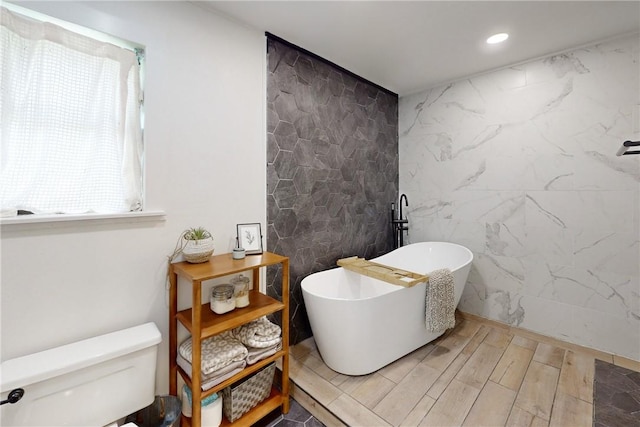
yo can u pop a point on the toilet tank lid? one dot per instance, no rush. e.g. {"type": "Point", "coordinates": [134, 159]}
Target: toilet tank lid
{"type": "Point", "coordinates": [36, 367]}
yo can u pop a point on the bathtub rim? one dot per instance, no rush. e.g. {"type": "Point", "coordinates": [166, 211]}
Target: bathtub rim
{"type": "Point", "coordinates": [392, 288]}
{"type": "Point", "coordinates": [458, 267]}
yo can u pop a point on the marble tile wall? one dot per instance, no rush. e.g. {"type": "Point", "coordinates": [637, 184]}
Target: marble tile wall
{"type": "Point", "coordinates": [332, 169]}
{"type": "Point", "coordinates": [519, 165]}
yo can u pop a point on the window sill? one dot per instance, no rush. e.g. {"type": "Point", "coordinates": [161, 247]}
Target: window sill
{"type": "Point", "coordinates": [84, 218]}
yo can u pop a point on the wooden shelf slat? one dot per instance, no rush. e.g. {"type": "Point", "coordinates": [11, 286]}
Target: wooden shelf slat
{"type": "Point", "coordinates": [212, 323]}
{"type": "Point", "coordinates": [273, 401]}
{"type": "Point", "coordinates": [250, 369]}
{"type": "Point", "coordinates": [225, 265]}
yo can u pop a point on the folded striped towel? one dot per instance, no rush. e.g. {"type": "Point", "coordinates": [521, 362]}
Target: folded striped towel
{"type": "Point", "coordinates": [259, 333]}
{"type": "Point", "coordinates": [216, 377]}
{"type": "Point", "coordinates": [257, 354]}
{"type": "Point", "coordinates": [439, 305]}
{"type": "Point", "coordinates": [186, 366]}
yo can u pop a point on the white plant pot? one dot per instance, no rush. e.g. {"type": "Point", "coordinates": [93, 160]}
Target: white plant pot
{"type": "Point", "coordinates": [197, 251]}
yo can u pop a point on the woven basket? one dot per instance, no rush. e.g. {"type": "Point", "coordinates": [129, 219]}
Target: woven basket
{"type": "Point", "coordinates": [197, 251]}
{"type": "Point", "coordinates": [239, 398]}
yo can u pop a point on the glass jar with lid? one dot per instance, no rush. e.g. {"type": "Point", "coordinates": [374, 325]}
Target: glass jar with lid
{"type": "Point", "coordinates": [241, 290]}
{"type": "Point", "coordinates": [222, 299]}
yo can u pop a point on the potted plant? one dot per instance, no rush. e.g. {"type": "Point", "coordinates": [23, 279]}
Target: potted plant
{"type": "Point", "coordinates": [197, 245]}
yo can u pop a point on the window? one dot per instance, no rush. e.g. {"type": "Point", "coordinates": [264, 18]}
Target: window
{"type": "Point", "coordinates": [71, 122]}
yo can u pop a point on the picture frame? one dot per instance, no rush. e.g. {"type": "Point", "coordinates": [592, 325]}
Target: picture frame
{"type": "Point", "coordinates": [250, 238]}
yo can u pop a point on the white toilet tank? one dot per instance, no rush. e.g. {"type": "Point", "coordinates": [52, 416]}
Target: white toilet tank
{"type": "Point", "coordinates": [93, 382]}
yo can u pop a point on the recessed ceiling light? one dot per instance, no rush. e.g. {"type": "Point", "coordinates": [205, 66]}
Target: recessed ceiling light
{"type": "Point", "coordinates": [497, 38]}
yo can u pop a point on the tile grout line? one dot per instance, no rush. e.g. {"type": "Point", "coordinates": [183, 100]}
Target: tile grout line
{"type": "Point", "coordinates": [454, 377]}
{"type": "Point", "coordinates": [555, 392]}
{"type": "Point", "coordinates": [440, 338]}
{"type": "Point", "coordinates": [592, 388]}
{"type": "Point", "coordinates": [312, 397]}
{"type": "Point", "coordinates": [320, 403]}
{"type": "Point", "coordinates": [425, 394]}
{"type": "Point", "coordinates": [522, 382]}
{"type": "Point", "coordinates": [488, 378]}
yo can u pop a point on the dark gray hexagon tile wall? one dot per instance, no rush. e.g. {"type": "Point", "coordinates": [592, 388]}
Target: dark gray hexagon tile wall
{"type": "Point", "coordinates": [332, 169]}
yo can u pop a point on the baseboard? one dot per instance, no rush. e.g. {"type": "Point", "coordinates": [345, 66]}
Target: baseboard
{"type": "Point", "coordinates": [622, 361]}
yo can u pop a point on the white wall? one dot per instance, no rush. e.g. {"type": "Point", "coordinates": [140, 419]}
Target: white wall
{"type": "Point", "coordinates": [519, 165]}
{"type": "Point", "coordinates": [205, 157]}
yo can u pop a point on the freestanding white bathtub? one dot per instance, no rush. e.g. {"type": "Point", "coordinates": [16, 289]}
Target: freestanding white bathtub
{"type": "Point", "coordinates": [361, 324]}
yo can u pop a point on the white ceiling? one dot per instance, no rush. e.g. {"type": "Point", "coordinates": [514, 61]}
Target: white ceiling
{"type": "Point", "coordinates": [408, 46]}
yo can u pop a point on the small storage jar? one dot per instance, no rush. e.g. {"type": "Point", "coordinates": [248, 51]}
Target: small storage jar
{"type": "Point", "coordinates": [222, 299]}
{"type": "Point", "coordinates": [241, 290]}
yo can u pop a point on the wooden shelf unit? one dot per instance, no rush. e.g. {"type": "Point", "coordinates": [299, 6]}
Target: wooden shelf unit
{"type": "Point", "coordinates": [203, 323]}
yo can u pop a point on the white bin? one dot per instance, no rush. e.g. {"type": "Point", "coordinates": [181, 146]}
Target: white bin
{"type": "Point", "coordinates": [211, 408]}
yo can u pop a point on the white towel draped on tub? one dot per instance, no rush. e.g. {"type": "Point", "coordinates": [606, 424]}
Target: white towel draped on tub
{"type": "Point", "coordinates": [439, 305]}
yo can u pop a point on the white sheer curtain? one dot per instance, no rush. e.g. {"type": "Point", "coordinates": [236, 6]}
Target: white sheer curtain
{"type": "Point", "coordinates": [71, 134]}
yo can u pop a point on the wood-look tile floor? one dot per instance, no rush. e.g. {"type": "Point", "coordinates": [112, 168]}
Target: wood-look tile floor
{"type": "Point", "coordinates": [478, 374]}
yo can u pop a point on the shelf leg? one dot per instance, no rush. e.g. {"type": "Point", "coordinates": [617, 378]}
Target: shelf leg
{"type": "Point", "coordinates": [173, 331]}
{"type": "Point", "coordinates": [285, 336]}
{"type": "Point", "coordinates": [256, 279]}
{"type": "Point", "coordinates": [196, 354]}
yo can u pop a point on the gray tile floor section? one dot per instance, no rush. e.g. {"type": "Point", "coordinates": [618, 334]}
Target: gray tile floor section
{"type": "Point", "coordinates": [616, 396]}
{"type": "Point", "coordinates": [297, 417]}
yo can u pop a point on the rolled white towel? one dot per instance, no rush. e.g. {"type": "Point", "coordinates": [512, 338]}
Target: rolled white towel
{"type": "Point", "coordinates": [260, 333]}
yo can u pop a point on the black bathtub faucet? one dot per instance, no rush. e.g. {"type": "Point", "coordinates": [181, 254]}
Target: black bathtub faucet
{"type": "Point", "coordinates": [399, 225]}
{"type": "Point", "coordinates": [406, 203]}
